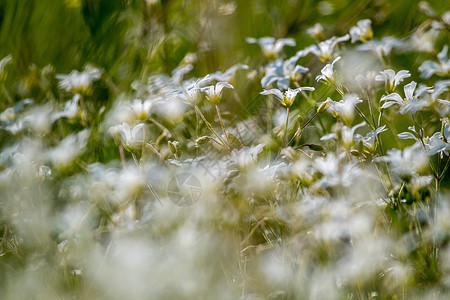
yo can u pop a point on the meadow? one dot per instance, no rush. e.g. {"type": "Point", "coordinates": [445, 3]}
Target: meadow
{"type": "Point", "coordinates": [240, 149]}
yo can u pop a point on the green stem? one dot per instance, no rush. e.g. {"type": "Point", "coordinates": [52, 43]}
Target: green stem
{"type": "Point", "coordinates": [222, 125]}
{"type": "Point", "coordinates": [153, 149]}
{"type": "Point", "coordinates": [287, 123]}
{"type": "Point", "coordinates": [303, 127]}
{"type": "Point", "coordinates": [210, 127]}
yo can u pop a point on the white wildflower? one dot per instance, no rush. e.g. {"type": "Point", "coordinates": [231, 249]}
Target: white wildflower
{"type": "Point", "coordinates": [428, 67]}
{"type": "Point", "coordinates": [391, 79]}
{"type": "Point", "coordinates": [411, 103]}
{"type": "Point", "coordinates": [271, 47]}
{"type": "Point", "coordinates": [328, 72]}
{"type": "Point", "coordinates": [79, 82]}
{"type": "Point", "coordinates": [287, 98]}
{"type": "Point", "coordinates": [362, 31]}
{"type": "Point", "coordinates": [214, 92]}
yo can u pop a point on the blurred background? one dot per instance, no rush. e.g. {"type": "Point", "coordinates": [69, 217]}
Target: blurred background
{"type": "Point", "coordinates": [130, 39]}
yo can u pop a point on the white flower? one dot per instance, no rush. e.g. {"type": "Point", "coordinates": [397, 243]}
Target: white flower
{"type": "Point", "coordinates": [39, 118]}
{"type": "Point", "coordinates": [79, 82]}
{"type": "Point", "coordinates": [190, 92]}
{"type": "Point", "coordinates": [141, 109]}
{"type": "Point", "coordinates": [178, 73]}
{"type": "Point", "coordinates": [287, 99]}
{"type": "Point", "coordinates": [246, 157]}
{"type": "Point", "coordinates": [369, 140]}
{"type": "Point", "coordinates": [324, 50]}
{"type": "Point", "coordinates": [383, 46]}
{"type": "Point", "coordinates": [362, 31]}
{"type": "Point", "coordinates": [69, 148]}
{"type": "Point", "coordinates": [344, 108]}
{"type": "Point", "coordinates": [347, 135]}
{"type": "Point", "coordinates": [270, 46]}
{"type": "Point", "coordinates": [132, 138]}
{"type": "Point", "coordinates": [172, 109]}
{"type": "Point", "coordinates": [440, 142]}
{"type": "Point", "coordinates": [428, 68]}
{"type": "Point", "coordinates": [328, 72]}
{"type": "Point", "coordinates": [411, 103]}
{"type": "Point", "coordinates": [407, 162]}
{"type": "Point", "coordinates": [391, 79]}
{"type": "Point", "coordinates": [316, 32]}
{"type": "Point", "coordinates": [71, 109]}
{"type": "Point", "coordinates": [282, 72]}
{"type": "Point", "coordinates": [214, 93]}
{"type": "Point", "coordinates": [333, 173]}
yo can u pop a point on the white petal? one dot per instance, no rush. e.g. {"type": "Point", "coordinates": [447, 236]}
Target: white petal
{"type": "Point", "coordinates": [409, 89]}
{"type": "Point", "coordinates": [275, 92]}
{"type": "Point", "coordinates": [394, 96]}
{"type": "Point", "coordinates": [221, 85]}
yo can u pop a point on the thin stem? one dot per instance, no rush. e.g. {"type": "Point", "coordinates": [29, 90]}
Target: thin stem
{"type": "Point", "coordinates": [210, 127]}
{"type": "Point", "coordinates": [379, 117]}
{"type": "Point", "coordinates": [364, 117]}
{"type": "Point", "coordinates": [380, 57]}
{"type": "Point", "coordinates": [122, 156]}
{"type": "Point", "coordinates": [7, 94]}
{"type": "Point", "coordinates": [143, 146]}
{"type": "Point", "coordinates": [135, 159]}
{"type": "Point", "coordinates": [303, 127]}
{"type": "Point", "coordinates": [338, 89]}
{"type": "Point", "coordinates": [162, 127]}
{"type": "Point", "coordinates": [153, 149]}
{"type": "Point", "coordinates": [287, 123]}
{"type": "Point", "coordinates": [304, 94]}
{"type": "Point", "coordinates": [442, 175]}
{"type": "Point", "coordinates": [370, 108]}
{"type": "Point", "coordinates": [222, 125]}
{"type": "Point", "coordinates": [436, 175]}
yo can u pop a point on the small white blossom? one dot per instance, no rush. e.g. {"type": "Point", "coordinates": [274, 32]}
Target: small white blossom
{"type": "Point", "coordinates": [383, 46]}
{"type": "Point", "coordinates": [428, 67]}
{"type": "Point", "coordinates": [328, 72]}
{"type": "Point", "coordinates": [391, 79]}
{"type": "Point", "coordinates": [190, 92]}
{"type": "Point", "coordinates": [71, 109]}
{"type": "Point", "coordinates": [69, 148]}
{"type": "Point", "coordinates": [141, 109]}
{"type": "Point", "coordinates": [369, 140]}
{"type": "Point", "coordinates": [287, 98]}
{"type": "Point", "coordinates": [316, 32]}
{"type": "Point", "coordinates": [214, 92]}
{"type": "Point", "coordinates": [344, 108]}
{"type": "Point", "coordinates": [440, 142]}
{"type": "Point", "coordinates": [362, 31]}
{"type": "Point", "coordinates": [270, 46]}
{"type": "Point", "coordinates": [408, 162]}
{"type": "Point", "coordinates": [282, 72]}
{"type": "Point", "coordinates": [228, 75]}
{"type": "Point", "coordinates": [324, 50]}
{"type": "Point", "coordinates": [132, 138]}
{"type": "Point", "coordinates": [347, 134]}
{"type": "Point", "coordinates": [411, 103]}
{"type": "Point", "coordinates": [79, 82]}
